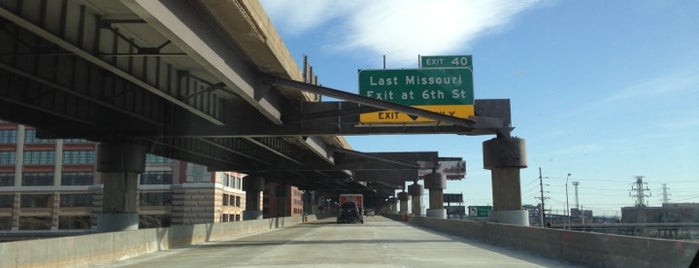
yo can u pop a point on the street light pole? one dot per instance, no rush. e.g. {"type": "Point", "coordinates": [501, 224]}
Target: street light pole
{"type": "Point", "coordinates": [567, 205]}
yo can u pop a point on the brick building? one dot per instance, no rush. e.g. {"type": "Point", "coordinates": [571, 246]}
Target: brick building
{"type": "Point", "coordinates": [52, 184]}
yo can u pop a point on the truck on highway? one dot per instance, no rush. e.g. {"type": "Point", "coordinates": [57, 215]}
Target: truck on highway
{"type": "Point", "coordinates": [351, 208]}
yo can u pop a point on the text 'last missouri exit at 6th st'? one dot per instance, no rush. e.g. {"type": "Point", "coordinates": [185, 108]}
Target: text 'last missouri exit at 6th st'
{"type": "Point", "coordinates": [412, 80]}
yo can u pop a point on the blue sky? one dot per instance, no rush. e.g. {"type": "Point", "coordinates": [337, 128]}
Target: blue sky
{"type": "Point", "coordinates": [604, 90]}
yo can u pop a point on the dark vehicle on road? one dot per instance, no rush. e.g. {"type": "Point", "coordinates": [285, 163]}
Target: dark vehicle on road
{"type": "Point", "coordinates": [349, 213]}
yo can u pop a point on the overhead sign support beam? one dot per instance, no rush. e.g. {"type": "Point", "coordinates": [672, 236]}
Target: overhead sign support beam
{"type": "Point", "coordinates": [339, 94]}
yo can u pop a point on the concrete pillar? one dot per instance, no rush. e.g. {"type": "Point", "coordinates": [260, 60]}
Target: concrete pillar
{"type": "Point", "coordinates": [436, 182]}
{"type": "Point", "coordinates": [415, 190]}
{"type": "Point", "coordinates": [403, 198]}
{"type": "Point", "coordinates": [253, 185]}
{"type": "Point", "coordinates": [504, 157]}
{"type": "Point", "coordinates": [310, 204]}
{"type": "Point", "coordinates": [392, 205]}
{"type": "Point", "coordinates": [120, 165]}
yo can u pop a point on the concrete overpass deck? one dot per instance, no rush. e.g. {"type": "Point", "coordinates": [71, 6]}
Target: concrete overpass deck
{"type": "Point", "coordinates": [379, 242]}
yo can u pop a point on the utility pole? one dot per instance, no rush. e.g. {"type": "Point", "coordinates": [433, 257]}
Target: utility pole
{"type": "Point", "coordinates": [577, 204]}
{"type": "Point", "coordinates": [567, 205]}
{"type": "Point", "coordinates": [575, 184]}
{"type": "Point", "coordinates": [542, 214]}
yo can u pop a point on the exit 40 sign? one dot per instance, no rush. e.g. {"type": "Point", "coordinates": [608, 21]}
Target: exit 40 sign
{"type": "Point", "coordinates": [458, 61]}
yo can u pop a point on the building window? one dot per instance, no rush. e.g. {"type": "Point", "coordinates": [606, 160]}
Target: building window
{"type": "Point", "coordinates": [35, 200]}
{"type": "Point", "coordinates": [8, 158]}
{"type": "Point", "coordinates": [30, 137]}
{"type": "Point", "coordinates": [34, 223]}
{"type": "Point", "coordinates": [8, 136]}
{"type": "Point", "coordinates": [75, 141]}
{"type": "Point", "coordinates": [239, 183]}
{"type": "Point", "coordinates": [37, 179]}
{"type": "Point", "coordinates": [237, 217]}
{"type": "Point", "coordinates": [197, 173]}
{"type": "Point", "coordinates": [5, 223]}
{"type": "Point", "coordinates": [156, 199]}
{"type": "Point", "coordinates": [156, 159]}
{"type": "Point", "coordinates": [156, 177]}
{"type": "Point", "coordinates": [225, 199]}
{"type": "Point", "coordinates": [7, 179]}
{"type": "Point", "coordinates": [74, 222]}
{"type": "Point", "coordinates": [77, 178]}
{"type": "Point", "coordinates": [7, 200]}
{"type": "Point", "coordinates": [226, 180]}
{"type": "Point", "coordinates": [78, 157]}
{"type": "Point", "coordinates": [76, 200]}
{"type": "Point", "coordinates": [237, 201]}
{"type": "Point", "coordinates": [39, 157]}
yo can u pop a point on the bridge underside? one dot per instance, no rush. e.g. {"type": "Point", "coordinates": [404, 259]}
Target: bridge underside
{"type": "Point", "coordinates": [175, 77]}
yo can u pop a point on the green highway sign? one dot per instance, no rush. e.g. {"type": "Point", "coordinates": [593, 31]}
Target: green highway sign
{"type": "Point", "coordinates": [479, 211]}
{"type": "Point", "coordinates": [447, 91]}
{"type": "Point", "coordinates": [462, 61]}
{"type": "Point", "coordinates": [439, 86]}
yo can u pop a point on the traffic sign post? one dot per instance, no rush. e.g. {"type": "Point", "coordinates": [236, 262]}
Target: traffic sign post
{"type": "Point", "coordinates": [462, 61]}
{"type": "Point", "coordinates": [479, 211]}
{"type": "Point", "coordinates": [447, 91]}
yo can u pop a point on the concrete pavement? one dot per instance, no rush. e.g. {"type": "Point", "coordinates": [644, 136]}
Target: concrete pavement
{"type": "Point", "coordinates": [379, 242]}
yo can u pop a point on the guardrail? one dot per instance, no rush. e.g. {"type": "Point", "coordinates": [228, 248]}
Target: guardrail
{"type": "Point", "coordinates": [589, 249]}
{"type": "Point", "coordinates": [104, 248]}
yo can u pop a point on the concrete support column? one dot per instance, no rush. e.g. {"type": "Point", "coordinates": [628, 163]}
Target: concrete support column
{"type": "Point", "coordinates": [392, 205]}
{"type": "Point", "coordinates": [504, 157]}
{"type": "Point", "coordinates": [403, 198]}
{"type": "Point", "coordinates": [253, 185]}
{"type": "Point", "coordinates": [436, 182]}
{"type": "Point", "coordinates": [120, 165]}
{"type": "Point", "coordinates": [415, 190]}
{"type": "Point", "coordinates": [311, 202]}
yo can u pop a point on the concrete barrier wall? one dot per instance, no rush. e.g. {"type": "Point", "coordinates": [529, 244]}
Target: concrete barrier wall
{"type": "Point", "coordinates": [103, 248]}
{"type": "Point", "coordinates": [589, 249]}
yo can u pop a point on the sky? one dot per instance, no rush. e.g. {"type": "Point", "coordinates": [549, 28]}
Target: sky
{"type": "Point", "coordinates": [602, 90]}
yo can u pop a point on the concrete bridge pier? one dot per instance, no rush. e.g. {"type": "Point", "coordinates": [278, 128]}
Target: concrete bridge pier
{"type": "Point", "coordinates": [415, 190]}
{"type": "Point", "coordinates": [120, 165]}
{"type": "Point", "coordinates": [392, 205]}
{"type": "Point", "coordinates": [436, 182]}
{"type": "Point", "coordinates": [504, 157]}
{"type": "Point", "coordinates": [253, 185]}
{"type": "Point", "coordinates": [403, 198]}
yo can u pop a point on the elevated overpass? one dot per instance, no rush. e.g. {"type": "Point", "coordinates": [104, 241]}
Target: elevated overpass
{"type": "Point", "coordinates": [210, 82]}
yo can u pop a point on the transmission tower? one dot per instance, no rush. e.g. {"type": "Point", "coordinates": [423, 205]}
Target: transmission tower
{"type": "Point", "coordinates": [666, 194]}
{"type": "Point", "coordinates": [638, 191]}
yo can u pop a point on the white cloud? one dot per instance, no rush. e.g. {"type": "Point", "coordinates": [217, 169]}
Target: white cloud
{"type": "Point", "coordinates": [296, 17]}
{"type": "Point", "coordinates": [399, 29]}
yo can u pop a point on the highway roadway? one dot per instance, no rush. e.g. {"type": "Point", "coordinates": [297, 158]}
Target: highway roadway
{"type": "Point", "coordinates": [379, 242]}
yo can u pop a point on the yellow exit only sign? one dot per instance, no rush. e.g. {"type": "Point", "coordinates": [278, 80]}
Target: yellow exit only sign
{"type": "Point", "coordinates": [393, 117]}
